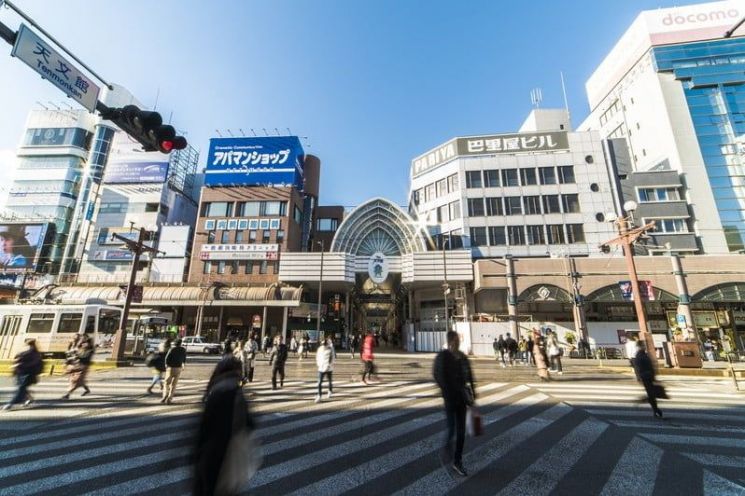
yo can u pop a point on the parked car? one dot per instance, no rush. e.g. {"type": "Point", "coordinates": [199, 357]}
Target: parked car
{"type": "Point", "coordinates": [197, 344]}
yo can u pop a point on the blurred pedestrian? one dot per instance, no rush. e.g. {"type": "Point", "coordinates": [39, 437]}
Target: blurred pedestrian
{"type": "Point", "coordinates": [293, 346]}
{"type": "Point", "coordinates": [510, 346]}
{"type": "Point", "coordinates": [225, 454]}
{"type": "Point", "coordinates": [368, 357]}
{"type": "Point", "coordinates": [645, 373]}
{"type": "Point", "coordinates": [531, 358]}
{"type": "Point", "coordinates": [452, 372]}
{"type": "Point", "coordinates": [501, 350]}
{"type": "Point", "coordinates": [175, 363]}
{"type": "Point", "coordinates": [325, 358]}
{"type": "Point", "coordinates": [522, 348]}
{"type": "Point", "coordinates": [245, 352]}
{"type": "Point", "coordinates": [539, 355]}
{"type": "Point", "coordinates": [265, 345]}
{"type": "Point", "coordinates": [227, 347]}
{"type": "Point", "coordinates": [277, 359]}
{"type": "Point", "coordinates": [306, 345]}
{"type": "Point", "coordinates": [157, 361]}
{"type": "Point", "coordinates": [554, 352]}
{"type": "Point", "coordinates": [353, 343]}
{"type": "Point", "coordinates": [78, 361]}
{"type": "Point", "coordinates": [27, 365]}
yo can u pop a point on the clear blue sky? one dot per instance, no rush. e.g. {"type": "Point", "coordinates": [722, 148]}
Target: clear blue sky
{"type": "Point", "coordinates": [371, 84]}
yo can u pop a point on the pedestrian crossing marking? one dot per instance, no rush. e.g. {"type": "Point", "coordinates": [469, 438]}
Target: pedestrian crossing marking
{"type": "Point", "coordinates": [641, 459]}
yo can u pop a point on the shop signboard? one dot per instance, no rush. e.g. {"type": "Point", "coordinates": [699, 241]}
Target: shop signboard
{"type": "Point", "coordinates": [136, 172]}
{"type": "Point", "coordinates": [22, 246]}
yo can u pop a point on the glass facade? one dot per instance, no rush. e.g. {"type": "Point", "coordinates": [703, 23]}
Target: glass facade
{"type": "Point", "coordinates": [713, 77]}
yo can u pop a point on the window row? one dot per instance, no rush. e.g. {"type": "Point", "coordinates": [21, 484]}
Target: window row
{"type": "Point", "coordinates": [553, 234]}
{"type": "Point", "coordinates": [438, 189]}
{"type": "Point", "coordinates": [669, 225]}
{"type": "Point", "coordinates": [658, 194]}
{"type": "Point", "coordinates": [493, 178]}
{"type": "Point", "coordinates": [126, 207]}
{"type": "Point", "coordinates": [523, 205]}
{"type": "Point", "coordinates": [241, 237]}
{"type": "Point", "coordinates": [244, 209]}
{"type": "Point", "coordinates": [240, 267]}
{"type": "Point", "coordinates": [446, 213]}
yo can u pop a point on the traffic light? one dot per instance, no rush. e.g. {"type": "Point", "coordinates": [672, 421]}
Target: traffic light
{"type": "Point", "coordinates": [146, 128]}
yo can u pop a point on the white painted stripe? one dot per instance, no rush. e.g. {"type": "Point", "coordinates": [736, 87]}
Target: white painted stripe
{"type": "Point", "coordinates": [492, 450]}
{"type": "Point", "coordinates": [695, 440]}
{"type": "Point", "coordinates": [630, 399]}
{"type": "Point", "coordinates": [355, 476]}
{"type": "Point", "coordinates": [707, 416]}
{"type": "Point", "coordinates": [636, 470]}
{"type": "Point", "coordinates": [146, 483]}
{"type": "Point", "coordinates": [542, 477]}
{"type": "Point", "coordinates": [295, 465]}
{"type": "Point", "coordinates": [717, 460]}
{"type": "Point", "coordinates": [715, 485]}
{"type": "Point", "coordinates": [657, 425]}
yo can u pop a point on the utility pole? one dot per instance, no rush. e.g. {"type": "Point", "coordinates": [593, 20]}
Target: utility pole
{"type": "Point", "coordinates": [445, 285]}
{"type": "Point", "coordinates": [320, 293]}
{"type": "Point", "coordinates": [138, 248]}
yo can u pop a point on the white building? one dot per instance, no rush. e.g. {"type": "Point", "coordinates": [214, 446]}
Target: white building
{"type": "Point", "coordinates": [540, 192]}
{"type": "Point", "coordinates": [674, 88]}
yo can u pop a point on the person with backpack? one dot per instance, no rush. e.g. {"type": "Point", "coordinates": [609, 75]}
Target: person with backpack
{"type": "Point", "coordinates": [175, 363]}
{"type": "Point", "coordinates": [79, 358]}
{"type": "Point", "coordinates": [277, 360]}
{"type": "Point", "coordinates": [452, 372]}
{"type": "Point", "coordinates": [325, 357]}
{"type": "Point", "coordinates": [157, 361]}
{"type": "Point", "coordinates": [510, 346]}
{"type": "Point", "coordinates": [27, 365]}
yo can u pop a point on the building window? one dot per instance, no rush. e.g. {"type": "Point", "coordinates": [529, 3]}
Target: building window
{"type": "Point", "coordinates": [297, 215]}
{"type": "Point", "coordinates": [570, 203]}
{"type": "Point", "coordinates": [509, 177]}
{"type": "Point", "coordinates": [429, 192]}
{"type": "Point", "coordinates": [516, 235]}
{"type": "Point", "coordinates": [280, 236]}
{"type": "Point", "coordinates": [478, 236]}
{"type": "Point", "coordinates": [211, 237]}
{"type": "Point", "coordinates": [266, 235]}
{"type": "Point", "coordinates": [207, 268]}
{"type": "Point", "coordinates": [575, 233]}
{"type": "Point", "coordinates": [473, 179]}
{"type": "Point", "coordinates": [442, 187]}
{"type": "Point", "coordinates": [327, 225]}
{"type": "Point", "coordinates": [221, 267]}
{"type": "Point", "coordinates": [658, 194]}
{"type": "Point", "coordinates": [453, 183]}
{"type": "Point", "coordinates": [669, 225]}
{"type": "Point", "coordinates": [512, 205]}
{"type": "Point", "coordinates": [252, 236]}
{"type": "Point", "coordinates": [151, 207]}
{"type": "Point", "coordinates": [535, 235]}
{"type": "Point", "coordinates": [555, 234]}
{"type": "Point", "coordinates": [234, 266]}
{"type": "Point", "coordinates": [475, 207]}
{"type": "Point", "coordinates": [491, 178]}
{"type": "Point", "coordinates": [249, 267]}
{"type": "Point", "coordinates": [566, 174]}
{"type": "Point", "coordinates": [219, 209]}
{"type": "Point", "coordinates": [275, 267]}
{"type": "Point", "coordinates": [527, 176]}
{"type": "Point", "coordinates": [548, 175]}
{"type": "Point", "coordinates": [239, 236]}
{"type": "Point", "coordinates": [273, 208]}
{"type": "Point", "coordinates": [532, 205]}
{"type": "Point", "coordinates": [551, 204]}
{"type": "Point", "coordinates": [497, 236]}
{"type": "Point", "coordinates": [454, 210]}
{"type": "Point", "coordinates": [494, 206]}
{"type": "Point", "coordinates": [442, 213]}
{"type": "Point", "coordinates": [263, 267]}
{"type": "Point", "coordinates": [225, 238]}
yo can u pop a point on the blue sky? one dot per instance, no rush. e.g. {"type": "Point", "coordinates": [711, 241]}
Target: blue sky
{"type": "Point", "coordinates": [371, 84]}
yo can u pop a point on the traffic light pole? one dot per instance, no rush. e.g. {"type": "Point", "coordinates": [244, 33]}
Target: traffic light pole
{"type": "Point", "coordinates": [138, 248]}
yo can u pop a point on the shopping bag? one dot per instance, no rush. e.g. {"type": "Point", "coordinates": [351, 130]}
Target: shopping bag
{"type": "Point", "coordinates": [474, 426]}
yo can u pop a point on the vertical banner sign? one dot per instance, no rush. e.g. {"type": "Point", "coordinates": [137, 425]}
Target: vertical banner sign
{"type": "Point", "coordinates": [645, 288]}
{"type": "Point", "coordinates": [41, 57]}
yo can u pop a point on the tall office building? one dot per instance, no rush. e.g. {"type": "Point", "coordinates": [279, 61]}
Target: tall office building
{"type": "Point", "coordinates": [674, 88]}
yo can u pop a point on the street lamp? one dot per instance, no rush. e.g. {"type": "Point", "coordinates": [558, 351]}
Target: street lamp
{"type": "Point", "coordinates": [628, 235]}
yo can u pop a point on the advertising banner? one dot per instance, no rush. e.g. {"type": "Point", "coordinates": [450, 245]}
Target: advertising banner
{"type": "Point", "coordinates": [255, 161]}
{"type": "Point", "coordinates": [112, 255]}
{"type": "Point", "coordinates": [645, 288]}
{"type": "Point", "coordinates": [21, 245]}
{"type": "Point", "coordinates": [135, 172]}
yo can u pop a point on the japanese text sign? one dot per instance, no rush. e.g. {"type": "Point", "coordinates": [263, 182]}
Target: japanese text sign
{"type": "Point", "coordinates": [41, 57]}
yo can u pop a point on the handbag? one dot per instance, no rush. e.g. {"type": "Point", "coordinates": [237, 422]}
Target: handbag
{"type": "Point", "coordinates": [243, 457]}
{"type": "Point", "coordinates": [474, 425]}
{"type": "Point", "coordinates": [469, 396]}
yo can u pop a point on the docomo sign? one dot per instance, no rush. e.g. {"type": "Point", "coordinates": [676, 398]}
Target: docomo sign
{"type": "Point", "coordinates": [701, 17]}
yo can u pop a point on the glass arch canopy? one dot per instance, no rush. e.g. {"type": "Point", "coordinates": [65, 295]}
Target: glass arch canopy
{"type": "Point", "coordinates": [378, 226]}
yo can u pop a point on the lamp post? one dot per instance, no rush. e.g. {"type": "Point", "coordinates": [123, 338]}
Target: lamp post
{"type": "Point", "coordinates": [628, 234]}
{"type": "Point", "coordinates": [320, 292]}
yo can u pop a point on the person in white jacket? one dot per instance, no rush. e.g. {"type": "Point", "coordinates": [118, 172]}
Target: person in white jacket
{"type": "Point", "coordinates": [325, 357]}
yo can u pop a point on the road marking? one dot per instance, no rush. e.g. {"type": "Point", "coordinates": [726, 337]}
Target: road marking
{"type": "Point", "coordinates": [636, 470]}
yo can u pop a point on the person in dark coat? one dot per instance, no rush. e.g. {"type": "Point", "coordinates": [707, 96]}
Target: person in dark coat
{"type": "Point", "coordinates": [79, 358]}
{"type": "Point", "coordinates": [223, 401]}
{"type": "Point", "coordinates": [277, 360]}
{"type": "Point", "coordinates": [452, 373]}
{"type": "Point", "coordinates": [645, 373]}
{"type": "Point", "coordinates": [27, 366]}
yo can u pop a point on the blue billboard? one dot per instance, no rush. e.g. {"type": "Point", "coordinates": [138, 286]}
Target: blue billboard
{"type": "Point", "coordinates": [135, 172]}
{"type": "Point", "coordinates": [255, 161]}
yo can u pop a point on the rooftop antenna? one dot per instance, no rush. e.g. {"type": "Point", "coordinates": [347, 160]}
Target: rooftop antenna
{"type": "Point", "coordinates": [230, 133]}
{"type": "Point", "coordinates": [536, 97]}
{"type": "Point", "coordinates": [42, 105]}
{"type": "Point", "coordinates": [218, 132]}
{"type": "Point", "coordinates": [242, 133]}
{"type": "Point", "coordinates": [564, 92]}
{"type": "Point", "coordinates": [288, 131]}
{"type": "Point", "coordinates": [277, 130]}
{"type": "Point", "coordinates": [264, 129]}
{"type": "Point", "coordinates": [54, 105]}
{"type": "Point", "coordinates": [254, 132]}
{"type": "Point", "coordinates": [170, 117]}
{"type": "Point", "coordinates": [157, 96]}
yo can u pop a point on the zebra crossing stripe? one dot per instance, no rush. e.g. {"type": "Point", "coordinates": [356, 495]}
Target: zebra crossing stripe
{"type": "Point", "coordinates": [293, 466]}
{"type": "Point", "coordinates": [715, 485]}
{"type": "Point", "coordinates": [351, 478]}
{"type": "Point", "coordinates": [657, 425]}
{"type": "Point", "coordinates": [146, 483]}
{"type": "Point", "coordinates": [536, 480]}
{"type": "Point", "coordinates": [641, 459]}
{"type": "Point", "coordinates": [494, 449]}
{"type": "Point", "coordinates": [709, 459]}
{"type": "Point", "coordinates": [645, 412]}
{"type": "Point", "coordinates": [724, 442]}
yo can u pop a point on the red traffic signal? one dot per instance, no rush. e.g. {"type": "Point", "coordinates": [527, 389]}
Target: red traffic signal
{"type": "Point", "coordinates": [146, 127]}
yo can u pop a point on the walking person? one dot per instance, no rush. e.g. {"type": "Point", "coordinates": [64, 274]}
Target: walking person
{"type": "Point", "coordinates": [554, 352]}
{"type": "Point", "coordinates": [539, 355]}
{"type": "Point", "coordinates": [175, 363]}
{"type": "Point", "coordinates": [79, 357]}
{"type": "Point", "coordinates": [157, 361]}
{"type": "Point", "coordinates": [293, 346]}
{"type": "Point", "coordinates": [501, 349]}
{"type": "Point", "coordinates": [277, 359]}
{"type": "Point", "coordinates": [452, 372]}
{"type": "Point", "coordinates": [325, 358]}
{"type": "Point", "coordinates": [368, 357]}
{"type": "Point", "coordinates": [225, 455]}
{"type": "Point", "coordinates": [353, 343]}
{"type": "Point", "coordinates": [27, 365]}
{"type": "Point", "coordinates": [265, 345]}
{"type": "Point", "coordinates": [522, 348]}
{"type": "Point", "coordinates": [531, 358]}
{"type": "Point", "coordinates": [245, 352]}
{"type": "Point", "coordinates": [306, 345]}
{"type": "Point", "coordinates": [645, 373]}
{"type": "Point", "coordinates": [510, 346]}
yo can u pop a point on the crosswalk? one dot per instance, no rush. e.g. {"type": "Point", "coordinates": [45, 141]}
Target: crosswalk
{"type": "Point", "coordinates": [563, 437]}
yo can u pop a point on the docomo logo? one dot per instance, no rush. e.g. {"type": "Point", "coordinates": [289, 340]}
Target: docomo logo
{"type": "Point", "coordinates": [714, 15]}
